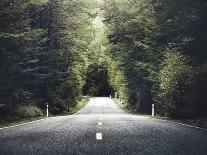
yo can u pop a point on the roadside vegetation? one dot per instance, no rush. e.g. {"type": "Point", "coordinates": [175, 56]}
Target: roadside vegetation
{"type": "Point", "coordinates": [158, 55]}
{"type": "Point", "coordinates": [142, 52]}
{"type": "Point", "coordinates": [31, 113]}
{"type": "Point", "coordinates": [43, 55]}
{"type": "Point", "coordinates": [194, 121]}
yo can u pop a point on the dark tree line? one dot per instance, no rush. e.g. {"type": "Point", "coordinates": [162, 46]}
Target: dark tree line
{"type": "Point", "coordinates": [151, 51]}
{"type": "Point", "coordinates": [160, 52]}
{"type": "Point", "coordinates": [42, 49]}
{"type": "Point", "coordinates": [97, 83]}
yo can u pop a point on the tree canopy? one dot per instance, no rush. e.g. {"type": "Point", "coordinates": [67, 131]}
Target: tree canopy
{"type": "Point", "coordinates": [140, 51]}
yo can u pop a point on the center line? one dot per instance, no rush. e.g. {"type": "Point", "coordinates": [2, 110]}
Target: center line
{"type": "Point", "coordinates": [99, 123]}
{"type": "Point", "coordinates": [98, 136]}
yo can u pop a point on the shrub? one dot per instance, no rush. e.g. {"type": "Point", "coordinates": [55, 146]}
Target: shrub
{"type": "Point", "coordinates": [175, 82]}
{"type": "Point", "coordinates": [29, 111]}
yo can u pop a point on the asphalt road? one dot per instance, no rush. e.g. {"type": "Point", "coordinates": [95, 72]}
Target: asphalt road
{"type": "Point", "coordinates": [102, 128]}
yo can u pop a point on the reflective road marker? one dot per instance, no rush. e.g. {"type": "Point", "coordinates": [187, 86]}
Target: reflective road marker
{"type": "Point", "coordinates": [98, 136]}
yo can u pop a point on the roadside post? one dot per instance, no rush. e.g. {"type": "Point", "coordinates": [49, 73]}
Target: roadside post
{"type": "Point", "coordinates": [153, 110]}
{"type": "Point", "coordinates": [47, 110]}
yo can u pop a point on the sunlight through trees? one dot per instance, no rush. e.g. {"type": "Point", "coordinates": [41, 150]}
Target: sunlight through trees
{"type": "Point", "coordinates": [151, 51]}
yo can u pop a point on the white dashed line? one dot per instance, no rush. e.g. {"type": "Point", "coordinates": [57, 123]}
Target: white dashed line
{"type": "Point", "coordinates": [99, 123]}
{"type": "Point", "coordinates": [98, 136]}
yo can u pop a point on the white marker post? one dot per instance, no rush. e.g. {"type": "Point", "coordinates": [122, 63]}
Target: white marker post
{"type": "Point", "coordinates": [110, 95]}
{"type": "Point", "coordinates": [47, 111]}
{"type": "Point", "coordinates": [153, 110]}
{"type": "Point", "coordinates": [99, 136]}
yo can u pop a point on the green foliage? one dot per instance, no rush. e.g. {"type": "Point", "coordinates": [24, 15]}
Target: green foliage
{"type": "Point", "coordinates": [30, 111]}
{"type": "Point", "coordinates": [97, 80]}
{"type": "Point", "coordinates": [145, 51]}
{"type": "Point", "coordinates": [43, 47]}
{"type": "Point", "coordinates": [175, 80]}
{"type": "Point", "coordinates": [130, 34]}
{"type": "Point", "coordinates": [139, 32]}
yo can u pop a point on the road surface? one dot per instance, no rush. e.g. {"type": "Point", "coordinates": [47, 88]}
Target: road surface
{"type": "Point", "coordinates": [102, 128]}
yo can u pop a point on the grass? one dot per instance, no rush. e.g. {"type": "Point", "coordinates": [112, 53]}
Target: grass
{"type": "Point", "coordinates": [79, 106]}
{"type": "Point", "coordinates": [16, 121]}
{"type": "Point", "coordinates": [198, 122]}
{"type": "Point", "coordinates": [128, 109]}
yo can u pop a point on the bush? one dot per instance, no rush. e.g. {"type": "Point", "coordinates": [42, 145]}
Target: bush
{"type": "Point", "coordinates": [175, 83]}
{"type": "Point", "coordinates": [29, 111]}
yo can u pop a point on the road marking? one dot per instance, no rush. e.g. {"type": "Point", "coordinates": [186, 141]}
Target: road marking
{"type": "Point", "coordinates": [38, 120]}
{"type": "Point", "coordinates": [81, 109]}
{"type": "Point", "coordinates": [183, 124]}
{"type": "Point", "coordinates": [99, 136]}
{"type": "Point", "coordinates": [21, 124]}
{"type": "Point", "coordinates": [99, 123]}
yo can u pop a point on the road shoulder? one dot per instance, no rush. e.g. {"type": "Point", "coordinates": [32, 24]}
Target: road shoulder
{"type": "Point", "coordinates": [200, 123]}
{"type": "Point", "coordinates": [81, 104]}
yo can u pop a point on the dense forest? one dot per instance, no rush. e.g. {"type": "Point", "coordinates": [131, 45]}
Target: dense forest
{"type": "Point", "coordinates": [44, 46]}
{"type": "Point", "coordinates": [143, 52]}
{"type": "Point", "coordinates": [158, 51]}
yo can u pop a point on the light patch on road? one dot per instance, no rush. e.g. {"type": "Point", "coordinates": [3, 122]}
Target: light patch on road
{"type": "Point", "coordinates": [100, 118]}
{"type": "Point", "coordinates": [99, 123]}
{"type": "Point", "coordinates": [98, 136]}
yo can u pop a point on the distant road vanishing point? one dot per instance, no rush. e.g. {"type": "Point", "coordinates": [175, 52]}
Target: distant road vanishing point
{"type": "Point", "coordinates": [102, 128]}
